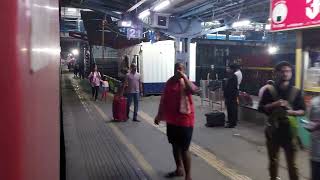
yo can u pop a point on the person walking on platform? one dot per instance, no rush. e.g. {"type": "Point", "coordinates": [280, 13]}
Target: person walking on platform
{"type": "Point", "coordinates": [281, 103]}
{"type": "Point", "coordinates": [76, 70]}
{"type": "Point", "coordinates": [177, 109]}
{"type": "Point", "coordinates": [133, 90]}
{"type": "Point", "coordinates": [94, 78]}
{"type": "Point", "coordinates": [231, 92]}
{"type": "Point", "coordinates": [314, 127]}
{"type": "Point", "coordinates": [105, 88]}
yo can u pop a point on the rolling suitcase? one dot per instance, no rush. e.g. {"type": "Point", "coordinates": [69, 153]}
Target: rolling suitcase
{"type": "Point", "coordinates": [215, 119]}
{"type": "Point", "coordinates": [119, 108]}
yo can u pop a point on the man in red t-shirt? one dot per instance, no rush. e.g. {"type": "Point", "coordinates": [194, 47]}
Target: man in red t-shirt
{"type": "Point", "coordinates": [177, 109]}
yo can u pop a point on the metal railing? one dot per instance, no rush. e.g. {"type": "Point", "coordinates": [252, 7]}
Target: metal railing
{"type": "Point", "coordinates": [211, 96]}
{"type": "Point", "coordinates": [114, 84]}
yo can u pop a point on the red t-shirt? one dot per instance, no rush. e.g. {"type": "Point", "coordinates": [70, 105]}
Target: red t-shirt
{"type": "Point", "coordinates": [170, 105]}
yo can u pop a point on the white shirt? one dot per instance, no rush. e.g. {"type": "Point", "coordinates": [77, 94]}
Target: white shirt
{"type": "Point", "coordinates": [239, 76]}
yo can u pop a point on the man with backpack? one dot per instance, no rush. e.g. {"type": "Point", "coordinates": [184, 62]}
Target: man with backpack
{"type": "Point", "coordinates": [282, 102]}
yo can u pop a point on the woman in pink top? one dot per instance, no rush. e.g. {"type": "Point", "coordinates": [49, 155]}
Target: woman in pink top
{"type": "Point", "coordinates": [94, 78]}
{"type": "Point", "coordinates": [177, 109]}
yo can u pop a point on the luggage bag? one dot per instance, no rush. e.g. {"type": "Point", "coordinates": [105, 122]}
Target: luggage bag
{"type": "Point", "coordinates": [215, 119]}
{"type": "Point", "coordinates": [119, 108]}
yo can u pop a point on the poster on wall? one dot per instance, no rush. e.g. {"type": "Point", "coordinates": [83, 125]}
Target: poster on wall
{"type": "Point", "coordinates": [294, 14]}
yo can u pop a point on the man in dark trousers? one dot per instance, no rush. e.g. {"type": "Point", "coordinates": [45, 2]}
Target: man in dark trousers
{"type": "Point", "coordinates": [230, 90]}
{"type": "Point", "coordinates": [282, 102]}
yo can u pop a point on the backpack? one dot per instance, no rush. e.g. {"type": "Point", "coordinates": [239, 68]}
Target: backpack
{"type": "Point", "coordinates": [279, 122]}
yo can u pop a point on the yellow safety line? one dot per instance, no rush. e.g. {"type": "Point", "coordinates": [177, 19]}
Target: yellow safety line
{"type": "Point", "coordinates": [147, 168]}
{"type": "Point", "coordinates": [135, 152]}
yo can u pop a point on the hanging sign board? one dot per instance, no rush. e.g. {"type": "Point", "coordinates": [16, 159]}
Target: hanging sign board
{"type": "Point", "coordinates": [294, 14]}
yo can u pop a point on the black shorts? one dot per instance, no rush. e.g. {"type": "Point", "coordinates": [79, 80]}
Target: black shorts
{"type": "Point", "coordinates": [179, 136]}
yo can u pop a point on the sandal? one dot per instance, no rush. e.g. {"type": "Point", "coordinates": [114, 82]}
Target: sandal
{"type": "Point", "coordinates": [173, 174]}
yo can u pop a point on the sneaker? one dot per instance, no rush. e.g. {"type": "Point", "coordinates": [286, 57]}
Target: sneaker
{"type": "Point", "coordinates": [136, 120]}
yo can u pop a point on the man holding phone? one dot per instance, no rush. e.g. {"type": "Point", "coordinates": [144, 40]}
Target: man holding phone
{"type": "Point", "coordinates": [280, 102]}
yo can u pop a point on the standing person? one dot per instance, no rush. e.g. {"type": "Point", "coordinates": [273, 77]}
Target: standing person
{"type": "Point", "coordinates": [212, 75]}
{"type": "Point", "coordinates": [105, 88]}
{"type": "Point", "coordinates": [281, 102]}
{"type": "Point", "coordinates": [133, 90]}
{"type": "Point", "coordinates": [314, 127]}
{"type": "Point", "coordinates": [94, 78]}
{"type": "Point", "coordinates": [177, 109]}
{"type": "Point", "coordinates": [231, 92]}
{"type": "Point", "coordinates": [238, 73]}
{"type": "Point", "coordinates": [76, 70]}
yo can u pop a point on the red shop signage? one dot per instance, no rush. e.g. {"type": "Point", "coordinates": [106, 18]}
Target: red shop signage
{"type": "Point", "coordinates": [294, 14]}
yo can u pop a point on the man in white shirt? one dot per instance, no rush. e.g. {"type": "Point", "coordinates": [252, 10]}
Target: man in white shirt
{"type": "Point", "coordinates": [238, 73]}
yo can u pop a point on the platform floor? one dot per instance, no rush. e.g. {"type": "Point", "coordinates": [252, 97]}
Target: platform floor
{"type": "Point", "coordinates": [98, 148]}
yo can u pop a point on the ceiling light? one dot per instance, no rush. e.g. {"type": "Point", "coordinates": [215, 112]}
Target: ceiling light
{"type": "Point", "coordinates": [72, 10]}
{"type": "Point", "coordinates": [126, 23]}
{"type": "Point", "coordinates": [273, 49]}
{"type": "Point", "coordinates": [75, 52]}
{"type": "Point", "coordinates": [144, 14]}
{"type": "Point", "coordinates": [117, 12]}
{"type": "Point", "coordinates": [162, 5]}
{"type": "Point", "coordinates": [241, 23]}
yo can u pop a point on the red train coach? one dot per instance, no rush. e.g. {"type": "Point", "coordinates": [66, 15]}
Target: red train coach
{"type": "Point", "coordinates": [29, 78]}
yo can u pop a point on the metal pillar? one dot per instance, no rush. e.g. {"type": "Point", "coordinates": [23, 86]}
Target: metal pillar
{"type": "Point", "coordinates": [299, 59]}
{"type": "Point", "coordinates": [183, 53]}
{"type": "Point", "coordinates": [104, 22]}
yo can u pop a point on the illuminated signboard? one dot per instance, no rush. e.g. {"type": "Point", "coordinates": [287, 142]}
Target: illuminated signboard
{"type": "Point", "coordinates": [294, 14]}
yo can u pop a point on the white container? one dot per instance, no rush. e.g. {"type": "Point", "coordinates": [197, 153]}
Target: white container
{"type": "Point", "coordinates": [156, 63]}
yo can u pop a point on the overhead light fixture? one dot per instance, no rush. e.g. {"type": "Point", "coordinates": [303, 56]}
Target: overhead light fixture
{"type": "Point", "coordinates": [126, 23]}
{"type": "Point", "coordinates": [75, 52]}
{"type": "Point", "coordinates": [117, 12]}
{"type": "Point", "coordinates": [273, 49]}
{"type": "Point", "coordinates": [241, 23]}
{"type": "Point", "coordinates": [72, 10]}
{"type": "Point", "coordinates": [162, 5]}
{"type": "Point", "coordinates": [144, 14]}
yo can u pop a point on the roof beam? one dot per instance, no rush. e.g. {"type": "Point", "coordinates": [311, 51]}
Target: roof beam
{"type": "Point", "coordinates": [136, 5]}
{"type": "Point", "coordinates": [98, 9]}
{"type": "Point", "coordinates": [116, 6]}
{"type": "Point", "coordinates": [227, 10]}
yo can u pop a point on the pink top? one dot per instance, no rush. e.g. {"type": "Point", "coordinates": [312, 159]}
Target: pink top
{"type": "Point", "coordinates": [171, 103]}
{"type": "Point", "coordinates": [133, 82]}
{"type": "Point", "coordinates": [95, 78]}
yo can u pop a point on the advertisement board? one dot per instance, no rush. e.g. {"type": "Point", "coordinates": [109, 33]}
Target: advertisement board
{"type": "Point", "coordinates": [294, 14]}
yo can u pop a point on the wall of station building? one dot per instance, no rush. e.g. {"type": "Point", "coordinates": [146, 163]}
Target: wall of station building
{"type": "Point", "coordinates": [255, 61]}
{"type": "Point", "coordinates": [30, 100]}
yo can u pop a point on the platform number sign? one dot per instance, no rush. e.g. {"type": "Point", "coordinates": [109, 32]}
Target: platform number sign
{"type": "Point", "coordinates": [134, 33]}
{"type": "Point", "coordinates": [313, 8]}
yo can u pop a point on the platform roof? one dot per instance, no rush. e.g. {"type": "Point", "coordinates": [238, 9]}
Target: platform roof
{"type": "Point", "coordinates": [224, 11]}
